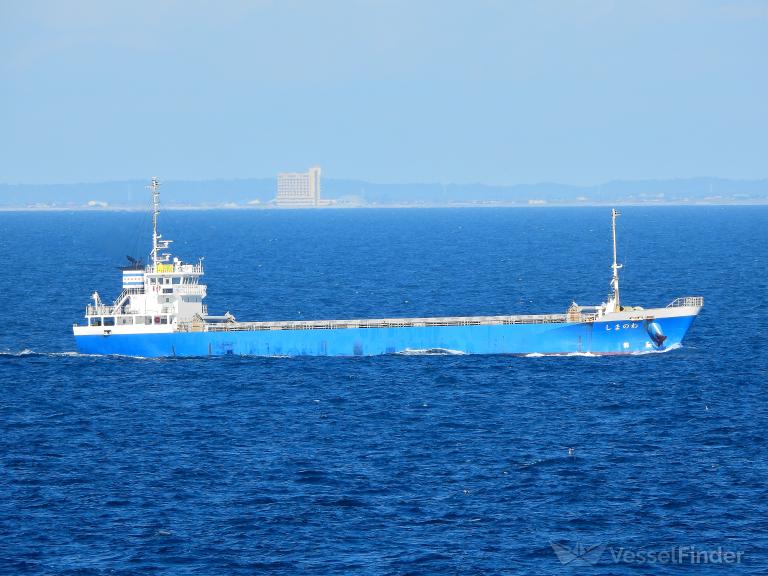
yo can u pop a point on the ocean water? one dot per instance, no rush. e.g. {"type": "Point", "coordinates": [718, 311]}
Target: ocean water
{"type": "Point", "coordinates": [410, 464]}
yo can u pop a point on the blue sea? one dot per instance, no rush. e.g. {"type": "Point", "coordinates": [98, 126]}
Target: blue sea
{"type": "Point", "coordinates": [402, 464]}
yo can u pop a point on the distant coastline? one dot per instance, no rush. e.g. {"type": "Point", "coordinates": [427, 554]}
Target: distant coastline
{"type": "Point", "coordinates": [258, 194]}
{"type": "Point", "coordinates": [181, 208]}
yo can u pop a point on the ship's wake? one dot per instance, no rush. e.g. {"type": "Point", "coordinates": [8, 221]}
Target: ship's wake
{"type": "Point", "coordinates": [593, 355]}
{"type": "Point", "coordinates": [27, 353]}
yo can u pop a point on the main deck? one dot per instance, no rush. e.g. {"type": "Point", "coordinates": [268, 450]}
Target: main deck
{"type": "Point", "coordinates": [573, 315]}
{"type": "Point", "coordinates": [383, 323]}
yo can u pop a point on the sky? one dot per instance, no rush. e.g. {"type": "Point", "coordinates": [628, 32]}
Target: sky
{"type": "Point", "coordinates": [489, 91]}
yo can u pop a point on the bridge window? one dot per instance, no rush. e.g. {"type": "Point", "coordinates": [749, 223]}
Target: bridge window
{"type": "Point", "coordinates": [177, 280]}
{"type": "Point", "coordinates": [124, 320]}
{"type": "Point", "coordinates": [163, 319]}
{"type": "Point", "coordinates": [109, 320]}
{"type": "Point", "coordinates": [94, 321]}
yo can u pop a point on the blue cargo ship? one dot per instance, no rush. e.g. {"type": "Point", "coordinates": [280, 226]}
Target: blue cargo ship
{"type": "Point", "coordinates": [160, 312]}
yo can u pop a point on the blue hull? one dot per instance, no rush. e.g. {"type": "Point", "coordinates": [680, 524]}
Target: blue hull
{"type": "Point", "coordinates": [553, 338]}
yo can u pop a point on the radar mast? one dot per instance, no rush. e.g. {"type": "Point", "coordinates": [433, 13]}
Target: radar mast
{"type": "Point", "coordinates": [616, 265]}
{"type": "Point", "coordinates": [155, 188]}
{"type": "Point", "coordinates": [157, 242]}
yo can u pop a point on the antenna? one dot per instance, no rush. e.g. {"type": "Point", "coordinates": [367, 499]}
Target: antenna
{"type": "Point", "coordinates": [616, 265]}
{"type": "Point", "coordinates": [155, 188]}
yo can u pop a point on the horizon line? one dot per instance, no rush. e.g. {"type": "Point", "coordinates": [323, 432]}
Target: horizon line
{"type": "Point", "coordinates": [268, 207]}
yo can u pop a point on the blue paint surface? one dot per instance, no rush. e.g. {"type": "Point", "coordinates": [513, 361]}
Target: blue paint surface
{"type": "Point", "coordinates": [595, 338]}
{"type": "Point", "coordinates": [392, 464]}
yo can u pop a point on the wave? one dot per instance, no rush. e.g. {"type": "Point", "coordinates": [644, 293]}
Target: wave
{"type": "Point", "coordinates": [430, 352]}
{"type": "Point", "coordinates": [562, 355]}
{"type": "Point", "coordinates": [26, 352]}
{"type": "Point", "coordinates": [674, 346]}
{"type": "Point", "coordinates": [593, 355]}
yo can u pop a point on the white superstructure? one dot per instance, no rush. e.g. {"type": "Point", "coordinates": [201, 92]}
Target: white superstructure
{"type": "Point", "coordinates": [155, 298]}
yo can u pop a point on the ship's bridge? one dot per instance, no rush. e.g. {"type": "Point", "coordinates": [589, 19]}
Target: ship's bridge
{"type": "Point", "coordinates": [174, 288]}
{"type": "Point", "coordinates": [172, 278]}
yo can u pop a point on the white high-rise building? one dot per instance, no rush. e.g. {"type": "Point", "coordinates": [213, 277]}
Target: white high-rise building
{"type": "Point", "coordinates": [299, 188]}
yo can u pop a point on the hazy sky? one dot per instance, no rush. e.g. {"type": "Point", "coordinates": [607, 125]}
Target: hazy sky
{"type": "Point", "coordinates": [487, 91]}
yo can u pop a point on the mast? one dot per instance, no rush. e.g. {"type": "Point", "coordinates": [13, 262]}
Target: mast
{"type": "Point", "coordinates": [616, 265]}
{"type": "Point", "coordinates": [155, 188]}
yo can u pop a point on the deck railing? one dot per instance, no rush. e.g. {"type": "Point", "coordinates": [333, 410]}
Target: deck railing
{"type": "Point", "coordinates": [381, 323]}
{"type": "Point", "coordinates": [104, 310]}
{"type": "Point", "coordinates": [686, 301]}
{"type": "Point", "coordinates": [175, 268]}
{"type": "Point", "coordinates": [190, 289]}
